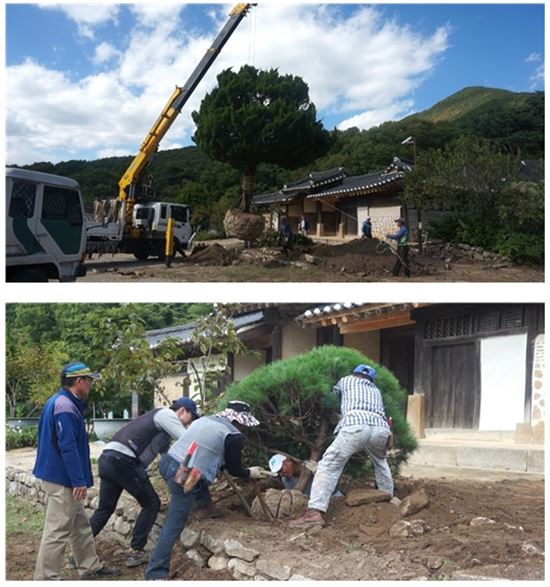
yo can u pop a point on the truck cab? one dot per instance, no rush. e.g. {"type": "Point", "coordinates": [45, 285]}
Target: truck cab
{"type": "Point", "coordinates": [153, 217]}
{"type": "Point", "coordinates": [45, 227]}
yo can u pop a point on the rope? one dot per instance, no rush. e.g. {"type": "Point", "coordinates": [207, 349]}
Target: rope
{"type": "Point", "coordinates": [252, 27]}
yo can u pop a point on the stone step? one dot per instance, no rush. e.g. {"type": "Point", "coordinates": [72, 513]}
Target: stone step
{"type": "Point", "coordinates": [459, 434]}
{"type": "Point", "coordinates": [476, 454]}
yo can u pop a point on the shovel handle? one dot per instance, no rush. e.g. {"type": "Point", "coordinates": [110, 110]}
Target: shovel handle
{"type": "Point", "coordinates": [258, 491]}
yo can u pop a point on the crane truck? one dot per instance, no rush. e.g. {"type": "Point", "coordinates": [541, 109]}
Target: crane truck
{"type": "Point", "coordinates": [135, 222]}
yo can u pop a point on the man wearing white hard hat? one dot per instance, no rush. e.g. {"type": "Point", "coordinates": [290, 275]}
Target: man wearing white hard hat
{"type": "Point", "coordinates": [289, 470]}
{"type": "Point", "coordinates": [363, 428]}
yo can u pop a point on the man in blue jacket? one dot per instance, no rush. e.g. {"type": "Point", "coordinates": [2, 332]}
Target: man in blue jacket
{"type": "Point", "coordinates": [63, 465]}
{"type": "Point", "coordinates": [402, 256]}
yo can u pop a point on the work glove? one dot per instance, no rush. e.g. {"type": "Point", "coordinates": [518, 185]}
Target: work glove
{"type": "Point", "coordinates": [311, 466]}
{"type": "Point", "coordinates": [258, 473]}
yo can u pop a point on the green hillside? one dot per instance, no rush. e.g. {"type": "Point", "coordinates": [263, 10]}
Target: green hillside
{"type": "Point", "coordinates": [460, 105]}
{"type": "Point", "coordinates": [514, 122]}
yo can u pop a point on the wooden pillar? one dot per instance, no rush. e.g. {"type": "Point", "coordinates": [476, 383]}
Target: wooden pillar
{"type": "Point", "coordinates": [276, 343]}
{"type": "Point", "coordinates": [135, 405]}
{"type": "Point", "coordinates": [320, 229]}
{"type": "Point", "coordinates": [340, 219]}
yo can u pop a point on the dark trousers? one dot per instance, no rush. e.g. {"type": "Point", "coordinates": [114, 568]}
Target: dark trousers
{"type": "Point", "coordinates": [117, 472]}
{"type": "Point", "coordinates": [402, 261]}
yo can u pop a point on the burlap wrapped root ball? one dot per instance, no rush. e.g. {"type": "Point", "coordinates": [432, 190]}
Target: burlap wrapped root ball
{"type": "Point", "coordinates": [281, 503]}
{"type": "Point", "coordinates": [243, 225]}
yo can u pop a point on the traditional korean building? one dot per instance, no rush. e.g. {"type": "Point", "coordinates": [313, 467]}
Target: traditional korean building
{"type": "Point", "coordinates": [336, 203]}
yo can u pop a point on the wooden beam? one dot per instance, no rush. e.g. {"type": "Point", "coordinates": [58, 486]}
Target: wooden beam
{"type": "Point", "coordinates": [368, 324]}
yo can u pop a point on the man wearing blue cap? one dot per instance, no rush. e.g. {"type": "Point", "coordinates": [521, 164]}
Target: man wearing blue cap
{"type": "Point", "coordinates": [363, 427]}
{"type": "Point", "coordinates": [123, 463]}
{"type": "Point", "coordinates": [63, 465]}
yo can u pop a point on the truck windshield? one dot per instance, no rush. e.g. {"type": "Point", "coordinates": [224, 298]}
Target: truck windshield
{"type": "Point", "coordinates": [179, 213]}
{"type": "Point", "coordinates": [143, 213]}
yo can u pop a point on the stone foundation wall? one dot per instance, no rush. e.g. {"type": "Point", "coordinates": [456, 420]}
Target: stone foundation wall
{"type": "Point", "coordinates": [452, 252]}
{"type": "Point", "coordinates": [204, 549]}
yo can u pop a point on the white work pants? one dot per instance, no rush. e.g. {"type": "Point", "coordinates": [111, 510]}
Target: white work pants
{"type": "Point", "coordinates": [351, 440]}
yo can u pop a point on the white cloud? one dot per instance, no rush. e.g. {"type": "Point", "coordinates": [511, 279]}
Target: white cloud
{"type": "Point", "coordinates": [105, 52]}
{"type": "Point", "coordinates": [370, 118]}
{"type": "Point", "coordinates": [537, 79]}
{"type": "Point", "coordinates": [155, 15]}
{"type": "Point", "coordinates": [361, 68]}
{"type": "Point", "coordinates": [533, 57]}
{"type": "Point", "coordinates": [87, 16]}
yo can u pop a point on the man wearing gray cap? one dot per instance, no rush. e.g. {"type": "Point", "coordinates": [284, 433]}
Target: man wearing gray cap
{"type": "Point", "coordinates": [123, 463]}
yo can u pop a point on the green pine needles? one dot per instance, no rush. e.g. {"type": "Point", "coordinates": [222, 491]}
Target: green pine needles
{"type": "Point", "coordinates": [297, 410]}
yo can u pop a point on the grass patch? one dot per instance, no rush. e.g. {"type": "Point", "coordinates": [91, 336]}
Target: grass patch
{"type": "Point", "coordinates": [22, 517]}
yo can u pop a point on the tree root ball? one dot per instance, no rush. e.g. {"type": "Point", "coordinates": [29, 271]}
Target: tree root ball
{"type": "Point", "coordinates": [281, 503]}
{"type": "Point", "coordinates": [243, 225]}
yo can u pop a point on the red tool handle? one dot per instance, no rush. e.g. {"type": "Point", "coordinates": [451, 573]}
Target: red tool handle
{"type": "Point", "coordinates": [190, 451]}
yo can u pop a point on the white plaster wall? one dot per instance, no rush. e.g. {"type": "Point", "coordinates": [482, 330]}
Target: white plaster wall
{"type": "Point", "coordinates": [217, 362]}
{"type": "Point", "coordinates": [173, 388]}
{"type": "Point", "coordinates": [297, 340]}
{"type": "Point", "coordinates": [245, 364]}
{"type": "Point", "coordinates": [366, 342]}
{"type": "Point", "coordinates": [503, 369]}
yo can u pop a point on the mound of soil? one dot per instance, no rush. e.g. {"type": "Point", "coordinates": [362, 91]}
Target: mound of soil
{"type": "Point", "coordinates": [209, 255]}
{"type": "Point", "coordinates": [356, 544]}
{"type": "Point", "coordinates": [360, 246]}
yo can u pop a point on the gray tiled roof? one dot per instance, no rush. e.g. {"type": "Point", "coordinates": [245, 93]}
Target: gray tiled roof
{"type": "Point", "coordinates": [336, 182]}
{"type": "Point", "coordinates": [273, 198]}
{"type": "Point", "coordinates": [358, 184]}
{"type": "Point", "coordinates": [183, 332]}
{"type": "Point", "coordinates": [316, 180]}
{"type": "Point", "coordinates": [357, 310]}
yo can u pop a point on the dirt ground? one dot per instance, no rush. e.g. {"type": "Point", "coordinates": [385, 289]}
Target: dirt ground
{"type": "Point", "coordinates": [355, 544]}
{"type": "Point", "coordinates": [360, 260]}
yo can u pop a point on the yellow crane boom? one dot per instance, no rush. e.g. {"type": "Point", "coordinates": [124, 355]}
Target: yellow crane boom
{"type": "Point", "coordinates": [133, 185]}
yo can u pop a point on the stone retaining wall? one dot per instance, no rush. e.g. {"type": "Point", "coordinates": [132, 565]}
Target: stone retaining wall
{"type": "Point", "coordinates": [204, 549]}
{"type": "Point", "coordinates": [452, 252]}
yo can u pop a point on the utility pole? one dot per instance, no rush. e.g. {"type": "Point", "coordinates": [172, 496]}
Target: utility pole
{"type": "Point", "coordinates": [412, 141]}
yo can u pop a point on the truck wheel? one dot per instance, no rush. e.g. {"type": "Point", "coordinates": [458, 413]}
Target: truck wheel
{"type": "Point", "coordinates": [143, 251]}
{"type": "Point", "coordinates": [30, 275]}
{"type": "Point", "coordinates": [180, 248]}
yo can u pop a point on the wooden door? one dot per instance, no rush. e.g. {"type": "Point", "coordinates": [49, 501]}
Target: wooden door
{"type": "Point", "coordinates": [454, 390]}
{"type": "Point", "coordinates": [397, 354]}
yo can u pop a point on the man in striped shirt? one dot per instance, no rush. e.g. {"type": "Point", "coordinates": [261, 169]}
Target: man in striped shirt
{"type": "Point", "coordinates": [363, 427]}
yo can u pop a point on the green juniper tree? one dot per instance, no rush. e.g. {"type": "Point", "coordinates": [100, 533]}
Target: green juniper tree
{"type": "Point", "coordinates": [256, 116]}
{"type": "Point", "coordinates": [297, 410]}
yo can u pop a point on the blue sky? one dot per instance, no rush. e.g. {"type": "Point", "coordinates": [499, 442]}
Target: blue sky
{"type": "Point", "coordinates": [87, 81]}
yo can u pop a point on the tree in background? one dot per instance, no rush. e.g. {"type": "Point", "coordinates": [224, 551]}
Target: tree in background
{"type": "Point", "coordinates": [465, 176]}
{"type": "Point", "coordinates": [40, 338]}
{"type": "Point", "coordinates": [214, 337]}
{"type": "Point", "coordinates": [297, 410]}
{"type": "Point", "coordinates": [482, 187]}
{"type": "Point", "coordinates": [128, 363]}
{"type": "Point", "coordinates": [258, 116]}
{"type": "Point", "coordinates": [32, 373]}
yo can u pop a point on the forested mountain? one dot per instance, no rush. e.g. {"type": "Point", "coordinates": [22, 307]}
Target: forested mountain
{"type": "Point", "coordinates": [513, 121]}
